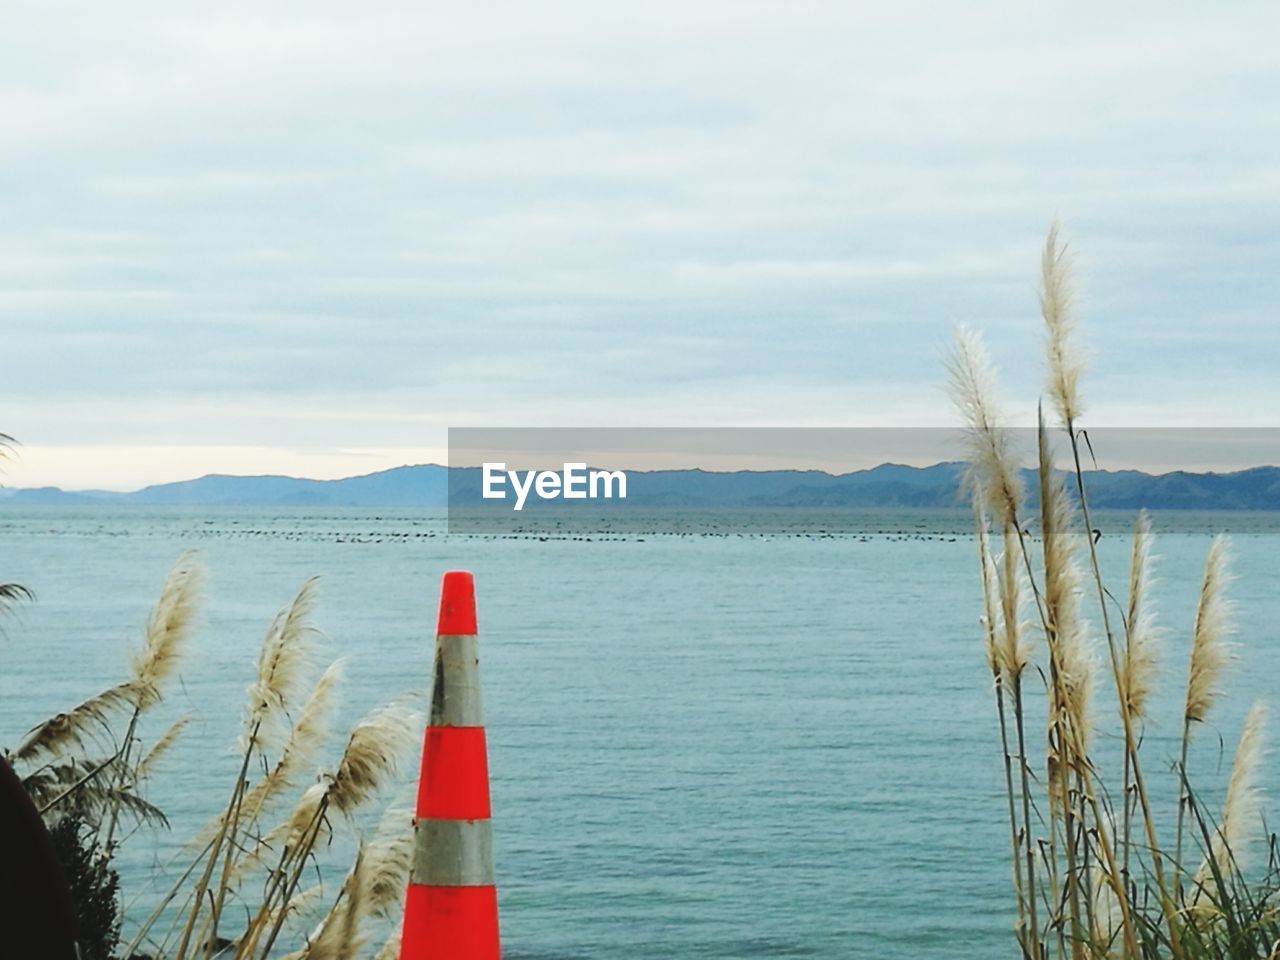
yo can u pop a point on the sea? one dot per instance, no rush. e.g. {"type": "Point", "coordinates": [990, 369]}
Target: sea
{"type": "Point", "coordinates": [728, 744]}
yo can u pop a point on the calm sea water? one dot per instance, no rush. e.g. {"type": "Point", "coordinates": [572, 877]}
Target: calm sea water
{"type": "Point", "coordinates": [701, 747]}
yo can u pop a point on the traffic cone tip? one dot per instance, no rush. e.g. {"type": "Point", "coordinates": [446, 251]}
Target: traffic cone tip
{"type": "Point", "coordinates": [457, 604]}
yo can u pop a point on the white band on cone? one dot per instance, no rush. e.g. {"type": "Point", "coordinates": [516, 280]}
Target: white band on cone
{"type": "Point", "coordinates": [452, 853]}
{"type": "Point", "coordinates": [455, 698]}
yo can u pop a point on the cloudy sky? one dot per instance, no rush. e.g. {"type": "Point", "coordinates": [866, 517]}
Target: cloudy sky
{"type": "Point", "coordinates": [307, 238]}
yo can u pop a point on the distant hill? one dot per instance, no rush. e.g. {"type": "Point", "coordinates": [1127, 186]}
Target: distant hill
{"type": "Point", "coordinates": [417, 486]}
{"type": "Point", "coordinates": [47, 495]}
{"type": "Point", "coordinates": [888, 485]}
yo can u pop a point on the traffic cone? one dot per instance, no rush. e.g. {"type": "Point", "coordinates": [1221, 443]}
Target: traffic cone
{"type": "Point", "coordinates": [451, 908]}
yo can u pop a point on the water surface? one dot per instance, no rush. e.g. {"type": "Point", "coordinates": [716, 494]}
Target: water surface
{"type": "Point", "coordinates": [701, 746]}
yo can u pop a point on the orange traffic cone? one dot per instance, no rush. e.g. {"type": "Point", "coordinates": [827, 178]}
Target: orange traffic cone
{"type": "Point", "coordinates": [451, 908]}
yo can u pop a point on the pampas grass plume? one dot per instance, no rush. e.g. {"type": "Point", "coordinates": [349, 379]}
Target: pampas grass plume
{"type": "Point", "coordinates": [1141, 656]}
{"type": "Point", "coordinates": [284, 663]}
{"type": "Point", "coordinates": [1056, 306]}
{"type": "Point", "coordinates": [1241, 813]}
{"type": "Point", "coordinates": [1210, 652]}
{"type": "Point", "coordinates": [160, 748]}
{"type": "Point", "coordinates": [372, 756]}
{"type": "Point", "coordinates": [74, 728]}
{"type": "Point", "coordinates": [992, 472]}
{"type": "Point", "coordinates": [168, 629]}
{"type": "Point", "coordinates": [990, 618]}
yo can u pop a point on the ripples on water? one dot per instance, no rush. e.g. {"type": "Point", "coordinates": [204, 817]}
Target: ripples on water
{"type": "Point", "coordinates": [701, 746]}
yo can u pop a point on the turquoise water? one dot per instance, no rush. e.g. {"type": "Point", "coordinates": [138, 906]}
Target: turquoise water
{"type": "Point", "coordinates": [701, 747]}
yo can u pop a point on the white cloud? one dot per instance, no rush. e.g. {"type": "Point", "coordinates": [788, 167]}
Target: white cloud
{"type": "Point", "coordinates": [381, 216]}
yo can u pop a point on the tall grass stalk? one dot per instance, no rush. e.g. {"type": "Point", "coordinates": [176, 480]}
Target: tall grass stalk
{"type": "Point", "coordinates": [1065, 368]}
{"type": "Point", "coordinates": [1209, 658]}
{"type": "Point", "coordinates": [996, 488]}
{"type": "Point", "coordinates": [237, 891]}
{"type": "Point", "coordinates": [1114, 890]}
{"type": "Point", "coordinates": [997, 664]}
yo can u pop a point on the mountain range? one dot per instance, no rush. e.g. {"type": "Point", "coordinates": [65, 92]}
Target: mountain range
{"type": "Point", "coordinates": [888, 485]}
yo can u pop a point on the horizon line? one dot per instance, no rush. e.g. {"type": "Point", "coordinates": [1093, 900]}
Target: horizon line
{"type": "Point", "coordinates": [6, 491]}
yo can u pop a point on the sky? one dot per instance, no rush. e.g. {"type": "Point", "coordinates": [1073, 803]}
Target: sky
{"type": "Point", "coordinates": [309, 238]}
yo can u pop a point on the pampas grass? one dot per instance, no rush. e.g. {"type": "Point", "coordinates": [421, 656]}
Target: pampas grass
{"type": "Point", "coordinates": [1210, 656]}
{"type": "Point", "coordinates": [105, 769]}
{"type": "Point", "coordinates": [992, 471]}
{"type": "Point", "coordinates": [390, 856]}
{"type": "Point", "coordinates": [239, 849]}
{"type": "Point", "coordinates": [309, 734]}
{"type": "Point", "coordinates": [391, 948]}
{"type": "Point", "coordinates": [996, 488]}
{"type": "Point", "coordinates": [339, 936]}
{"type": "Point", "coordinates": [1242, 810]}
{"type": "Point", "coordinates": [237, 891]}
{"type": "Point", "coordinates": [1135, 679]}
{"type": "Point", "coordinates": [369, 762]}
{"type": "Point", "coordinates": [374, 888]}
{"type": "Point", "coordinates": [1057, 301]}
{"type": "Point", "coordinates": [1141, 652]}
{"type": "Point", "coordinates": [167, 629]}
{"type": "Point", "coordinates": [1209, 651]}
{"type": "Point", "coordinates": [1092, 878]}
{"type": "Point", "coordinates": [1014, 647]}
{"type": "Point", "coordinates": [285, 662]}
{"type": "Point", "coordinates": [162, 745]}
{"type": "Point", "coordinates": [1070, 656]}
{"type": "Point", "coordinates": [77, 729]}
{"type": "Point", "coordinates": [372, 756]}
